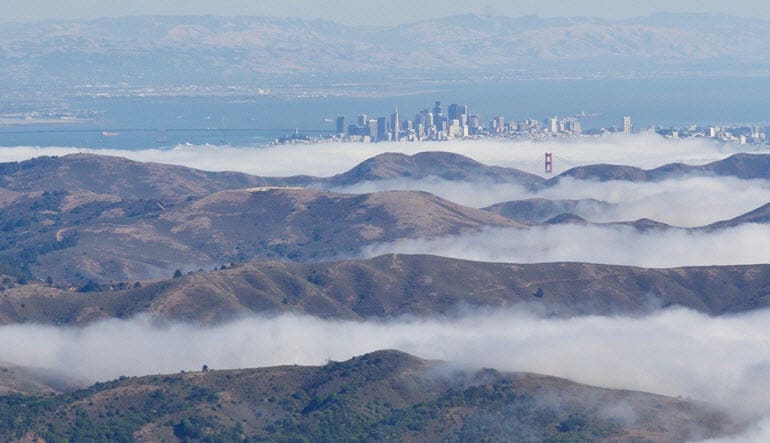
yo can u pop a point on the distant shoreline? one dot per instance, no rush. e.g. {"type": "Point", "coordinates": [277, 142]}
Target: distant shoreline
{"type": "Point", "coordinates": [9, 121]}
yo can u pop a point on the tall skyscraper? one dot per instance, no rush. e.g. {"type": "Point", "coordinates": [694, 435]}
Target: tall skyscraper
{"type": "Point", "coordinates": [475, 124]}
{"type": "Point", "coordinates": [456, 112]}
{"type": "Point", "coordinates": [500, 123]}
{"type": "Point", "coordinates": [437, 110]}
{"type": "Point", "coordinates": [576, 127]}
{"type": "Point", "coordinates": [455, 130]}
{"type": "Point", "coordinates": [342, 129]}
{"type": "Point", "coordinates": [553, 125]}
{"type": "Point", "coordinates": [382, 129]}
{"type": "Point", "coordinates": [395, 124]}
{"type": "Point", "coordinates": [627, 128]}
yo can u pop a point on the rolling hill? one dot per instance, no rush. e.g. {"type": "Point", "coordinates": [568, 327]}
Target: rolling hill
{"type": "Point", "coordinates": [107, 243]}
{"type": "Point", "coordinates": [743, 166]}
{"type": "Point", "coordinates": [760, 215]}
{"type": "Point", "coordinates": [382, 396]}
{"type": "Point", "coordinates": [97, 177]}
{"type": "Point", "coordinates": [393, 286]}
{"type": "Point", "coordinates": [113, 178]}
{"type": "Point", "coordinates": [85, 217]}
{"type": "Point", "coordinates": [444, 165]}
{"type": "Point", "coordinates": [21, 380]}
{"type": "Point", "coordinates": [539, 210]}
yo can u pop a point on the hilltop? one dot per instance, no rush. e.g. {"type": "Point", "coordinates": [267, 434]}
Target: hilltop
{"type": "Point", "coordinates": [385, 395]}
{"type": "Point", "coordinates": [760, 215]}
{"type": "Point", "coordinates": [743, 166]}
{"type": "Point", "coordinates": [143, 240]}
{"type": "Point", "coordinates": [444, 165]}
{"type": "Point", "coordinates": [540, 210]}
{"type": "Point", "coordinates": [105, 178]}
{"type": "Point", "coordinates": [397, 285]}
{"type": "Point", "coordinates": [83, 217]}
{"type": "Point", "coordinates": [93, 177]}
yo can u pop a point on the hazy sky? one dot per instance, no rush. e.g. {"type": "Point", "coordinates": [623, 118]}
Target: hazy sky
{"type": "Point", "coordinates": [369, 12]}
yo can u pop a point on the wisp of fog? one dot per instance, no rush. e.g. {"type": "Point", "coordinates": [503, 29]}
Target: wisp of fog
{"type": "Point", "coordinates": [615, 245]}
{"type": "Point", "coordinates": [723, 360]}
{"type": "Point", "coordinates": [706, 200]}
{"type": "Point", "coordinates": [325, 159]}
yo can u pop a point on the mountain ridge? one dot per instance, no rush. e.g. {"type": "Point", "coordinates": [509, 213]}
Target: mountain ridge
{"type": "Point", "coordinates": [15, 176]}
{"type": "Point", "coordinates": [238, 225]}
{"type": "Point", "coordinates": [745, 166]}
{"type": "Point", "coordinates": [384, 395]}
{"type": "Point", "coordinates": [393, 286]}
{"type": "Point", "coordinates": [249, 48]}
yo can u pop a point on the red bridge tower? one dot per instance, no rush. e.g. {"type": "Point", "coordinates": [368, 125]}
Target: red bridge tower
{"type": "Point", "coordinates": [548, 163]}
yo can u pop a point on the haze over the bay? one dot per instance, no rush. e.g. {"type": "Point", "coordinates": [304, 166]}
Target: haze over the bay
{"type": "Point", "coordinates": [392, 12]}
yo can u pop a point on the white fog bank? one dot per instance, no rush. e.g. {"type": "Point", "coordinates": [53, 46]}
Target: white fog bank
{"type": "Point", "coordinates": [326, 159]}
{"type": "Point", "coordinates": [615, 245]}
{"type": "Point", "coordinates": [725, 360]}
{"type": "Point", "coordinates": [687, 201]}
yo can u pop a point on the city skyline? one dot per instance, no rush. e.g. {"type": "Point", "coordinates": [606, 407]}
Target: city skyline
{"type": "Point", "coordinates": [458, 123]}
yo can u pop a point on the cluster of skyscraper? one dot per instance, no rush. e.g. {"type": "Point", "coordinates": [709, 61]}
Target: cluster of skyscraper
{"type": "Point", "coordinates": [456, 123]}
{"type": "Point", "coordinates": [428, 124]}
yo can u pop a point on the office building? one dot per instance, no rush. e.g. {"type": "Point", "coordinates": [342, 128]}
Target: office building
{"type": "Point", "coordinates": [382, 130]}
{"type": "Point", "coordinates": [627, 128]}
{"type": "Point", "coordinates": [342, 129]}
{"type": "Point", "coordinates": [553, 125]}
{"type": "Point", "coordinates": [456, 112]}
{"type": "Point", "coordinates": [395, 125]}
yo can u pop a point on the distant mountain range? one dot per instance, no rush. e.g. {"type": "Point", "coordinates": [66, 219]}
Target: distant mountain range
{"type": "Point", "coordinates": [382, 396]}
{"type": "Point", "coordinates": [252, 50]}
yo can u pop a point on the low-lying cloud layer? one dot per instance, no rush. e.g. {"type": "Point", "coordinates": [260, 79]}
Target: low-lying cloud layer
{"type": "Point", "coordinates": [722, 360]}
{"type": "Point", "coordinates": [644, 150]}
{"type": "Point", "coordinates": [704, 199]}
{"type": "Point", "coordinates": [758, 433]}
{"type": "Point", "coordinates": [687, 201]}
{"type": "Point", "coordinates": [617, 245]}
